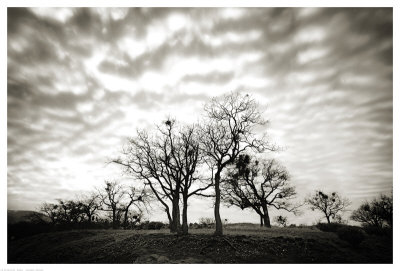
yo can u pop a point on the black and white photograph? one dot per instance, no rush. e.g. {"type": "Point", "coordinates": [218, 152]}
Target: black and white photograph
{"type": "Point", "coordinates": [198, 135]}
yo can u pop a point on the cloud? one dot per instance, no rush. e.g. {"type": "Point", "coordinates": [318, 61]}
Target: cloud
{"type": "Point", "coordinates": [81, 80]}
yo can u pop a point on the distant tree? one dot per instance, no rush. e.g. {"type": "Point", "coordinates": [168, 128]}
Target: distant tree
{"type": "Point", "coordinates": [329, 204]}
{"type": "Point", "coordinates": [111, 197]}
{"type": "Point", "coordinates": [259, 185]}
{"type": "Point", "coordinates": [51, 211]}
{"type": "Point", "coordinates": [281, 220]}
{"type": "Point", "coordinates": [229, 131]}
{"type": "Point", "coordinates": [91, 203]}
{"type": "Point", "coordinates": [206, 220]}
{"type": "Point", "coordinates": [134, 218]}
{"type": "Point", "coordinates": [138, 198]}
{"type": "Point", "coordinates": [377, 213]}
{"type": "Point", "coordinates": [70, 211]}
{"type": "Point", "coordinates": [37, 217]}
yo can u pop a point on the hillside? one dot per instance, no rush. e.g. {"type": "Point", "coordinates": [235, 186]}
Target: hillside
{"type": "Point", "coordinates": [15, 216]}
{"type": "Point", "coordinates": [276, 245]}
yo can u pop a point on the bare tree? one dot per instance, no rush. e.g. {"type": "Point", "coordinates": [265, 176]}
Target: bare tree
{"type": "Point", "coordinates": [111, 198]}
{"type": "Point", "coordinates": [329, 204]}
{"type": "Point", "coordinates": [167, 163]}
{"type": "Point", "coordinates": [186, 155]}
{"type": "Point", "coordinates": [136, 198]}
{"type": "Point", "coordinates": [377, 213]}
{"type": "Point", "coordinates": [149, 160]}
{"type": "Point", "coordinates": [91, 203]}
{"type": "Point", "coordinates": [51, 211]}
{"type": "Point", "coordinates": [259, 185]}
{"type": "Point", "coordinates": [228, 132]}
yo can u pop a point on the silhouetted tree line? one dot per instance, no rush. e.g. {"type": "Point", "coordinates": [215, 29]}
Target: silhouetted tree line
{"type": "Point", "coordinates": [113, 204]}
{"type": "Point", "coordinates": [180, 161]}
{"type": "Point", "coordinates": [222, 157]}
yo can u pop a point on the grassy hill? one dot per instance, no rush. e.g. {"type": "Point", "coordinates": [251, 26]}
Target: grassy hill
{"type": "Point", "coordinates": [239, 245]}
{"type": "Point", "coordinates": [16, 216]}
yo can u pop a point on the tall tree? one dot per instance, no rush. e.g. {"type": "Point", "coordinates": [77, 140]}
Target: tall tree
{"type": "Point", "coordinates": [187, 158]}
{"type": "Point", "coordinates": [259, 186]}
{"type": "Point", "coordinates": [167, 163]}
{"type": "Point", "coordinates": [329, 204]}
{"type": "Point", "coordinates": [147, 159]}
{"type": "Point", "coordinates": [229, 130]}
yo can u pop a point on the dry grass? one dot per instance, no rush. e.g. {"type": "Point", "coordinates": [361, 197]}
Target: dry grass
{"type": "Point", "coordinates": [241, 244]}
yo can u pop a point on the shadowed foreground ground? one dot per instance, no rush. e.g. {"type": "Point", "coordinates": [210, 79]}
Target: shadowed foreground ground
{"type": "Point", "coordinates": [276, 245]}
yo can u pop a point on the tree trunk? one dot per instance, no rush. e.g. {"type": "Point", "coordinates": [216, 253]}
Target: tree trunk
{"type": "Point", "coordinates": [178, 219]}
{"type": "Point", "coordinates": [126, 218]}
{"type": "Point", "coordinates": [173, 225]}
{"type": "Point", "coordinates": [329, 219]}
{"type": "Point", "coordinates": [267, 222]}
{"type": "Point", "coordinates": [170, 220]}
{"type": "Point", "coordinates": [185, 229]}
{"type": "Point", "coordinates": [218, 222]}
{"type": "Point", "coordinates": [176, 227]}
{"type": "Point", "coordinates": [114, 219]}
{"type": "Point", "coordinates": [261, 221]}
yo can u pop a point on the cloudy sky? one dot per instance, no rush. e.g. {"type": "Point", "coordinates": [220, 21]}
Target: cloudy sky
{"type": "Point", "coordinates": [82, 80]}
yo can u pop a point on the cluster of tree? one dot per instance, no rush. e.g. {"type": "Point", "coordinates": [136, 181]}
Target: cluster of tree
{"type": "Point", "coordinates": [180, 161]}
{"type": "Point", "coordinates": [377, 214]}
{"type": "Point", "coordinates": [115, 203]}
{"type": "Point", "coordinates": [219, 157]}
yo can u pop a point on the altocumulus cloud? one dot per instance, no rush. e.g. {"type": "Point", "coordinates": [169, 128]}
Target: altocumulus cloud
{"type": "Point", "coordinates": [82, 80]}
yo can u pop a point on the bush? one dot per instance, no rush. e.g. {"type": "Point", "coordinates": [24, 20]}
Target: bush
{"type": "Point", "coordinates": [153, 225]}
{"type": "Point", "coordinates": [329, 227]}
{"type": "Point", "coordinates": [206, 220]}
{"type": "Point", "coordinates": [281, 220]}
{"type": "Point", "coordinates": [386, 231]}
{"type": "Point", "coordinates": [351, 234]}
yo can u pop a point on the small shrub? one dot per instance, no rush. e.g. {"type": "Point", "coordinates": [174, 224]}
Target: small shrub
{"type": "Point", "coordinates": [195, 225]}
{"type": "Point", "coordinates": [281, 220]}
{"type": "Point", "coordinates": [153, 225]}
{"type": "Point", "coordinates": [329, 227]}
{"type": "Point", "coordinates": [206, 220]}
{"type": "Point", "coordinates": [351, 234]}
{"type": "Point", "coordinates": [292, 226]}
